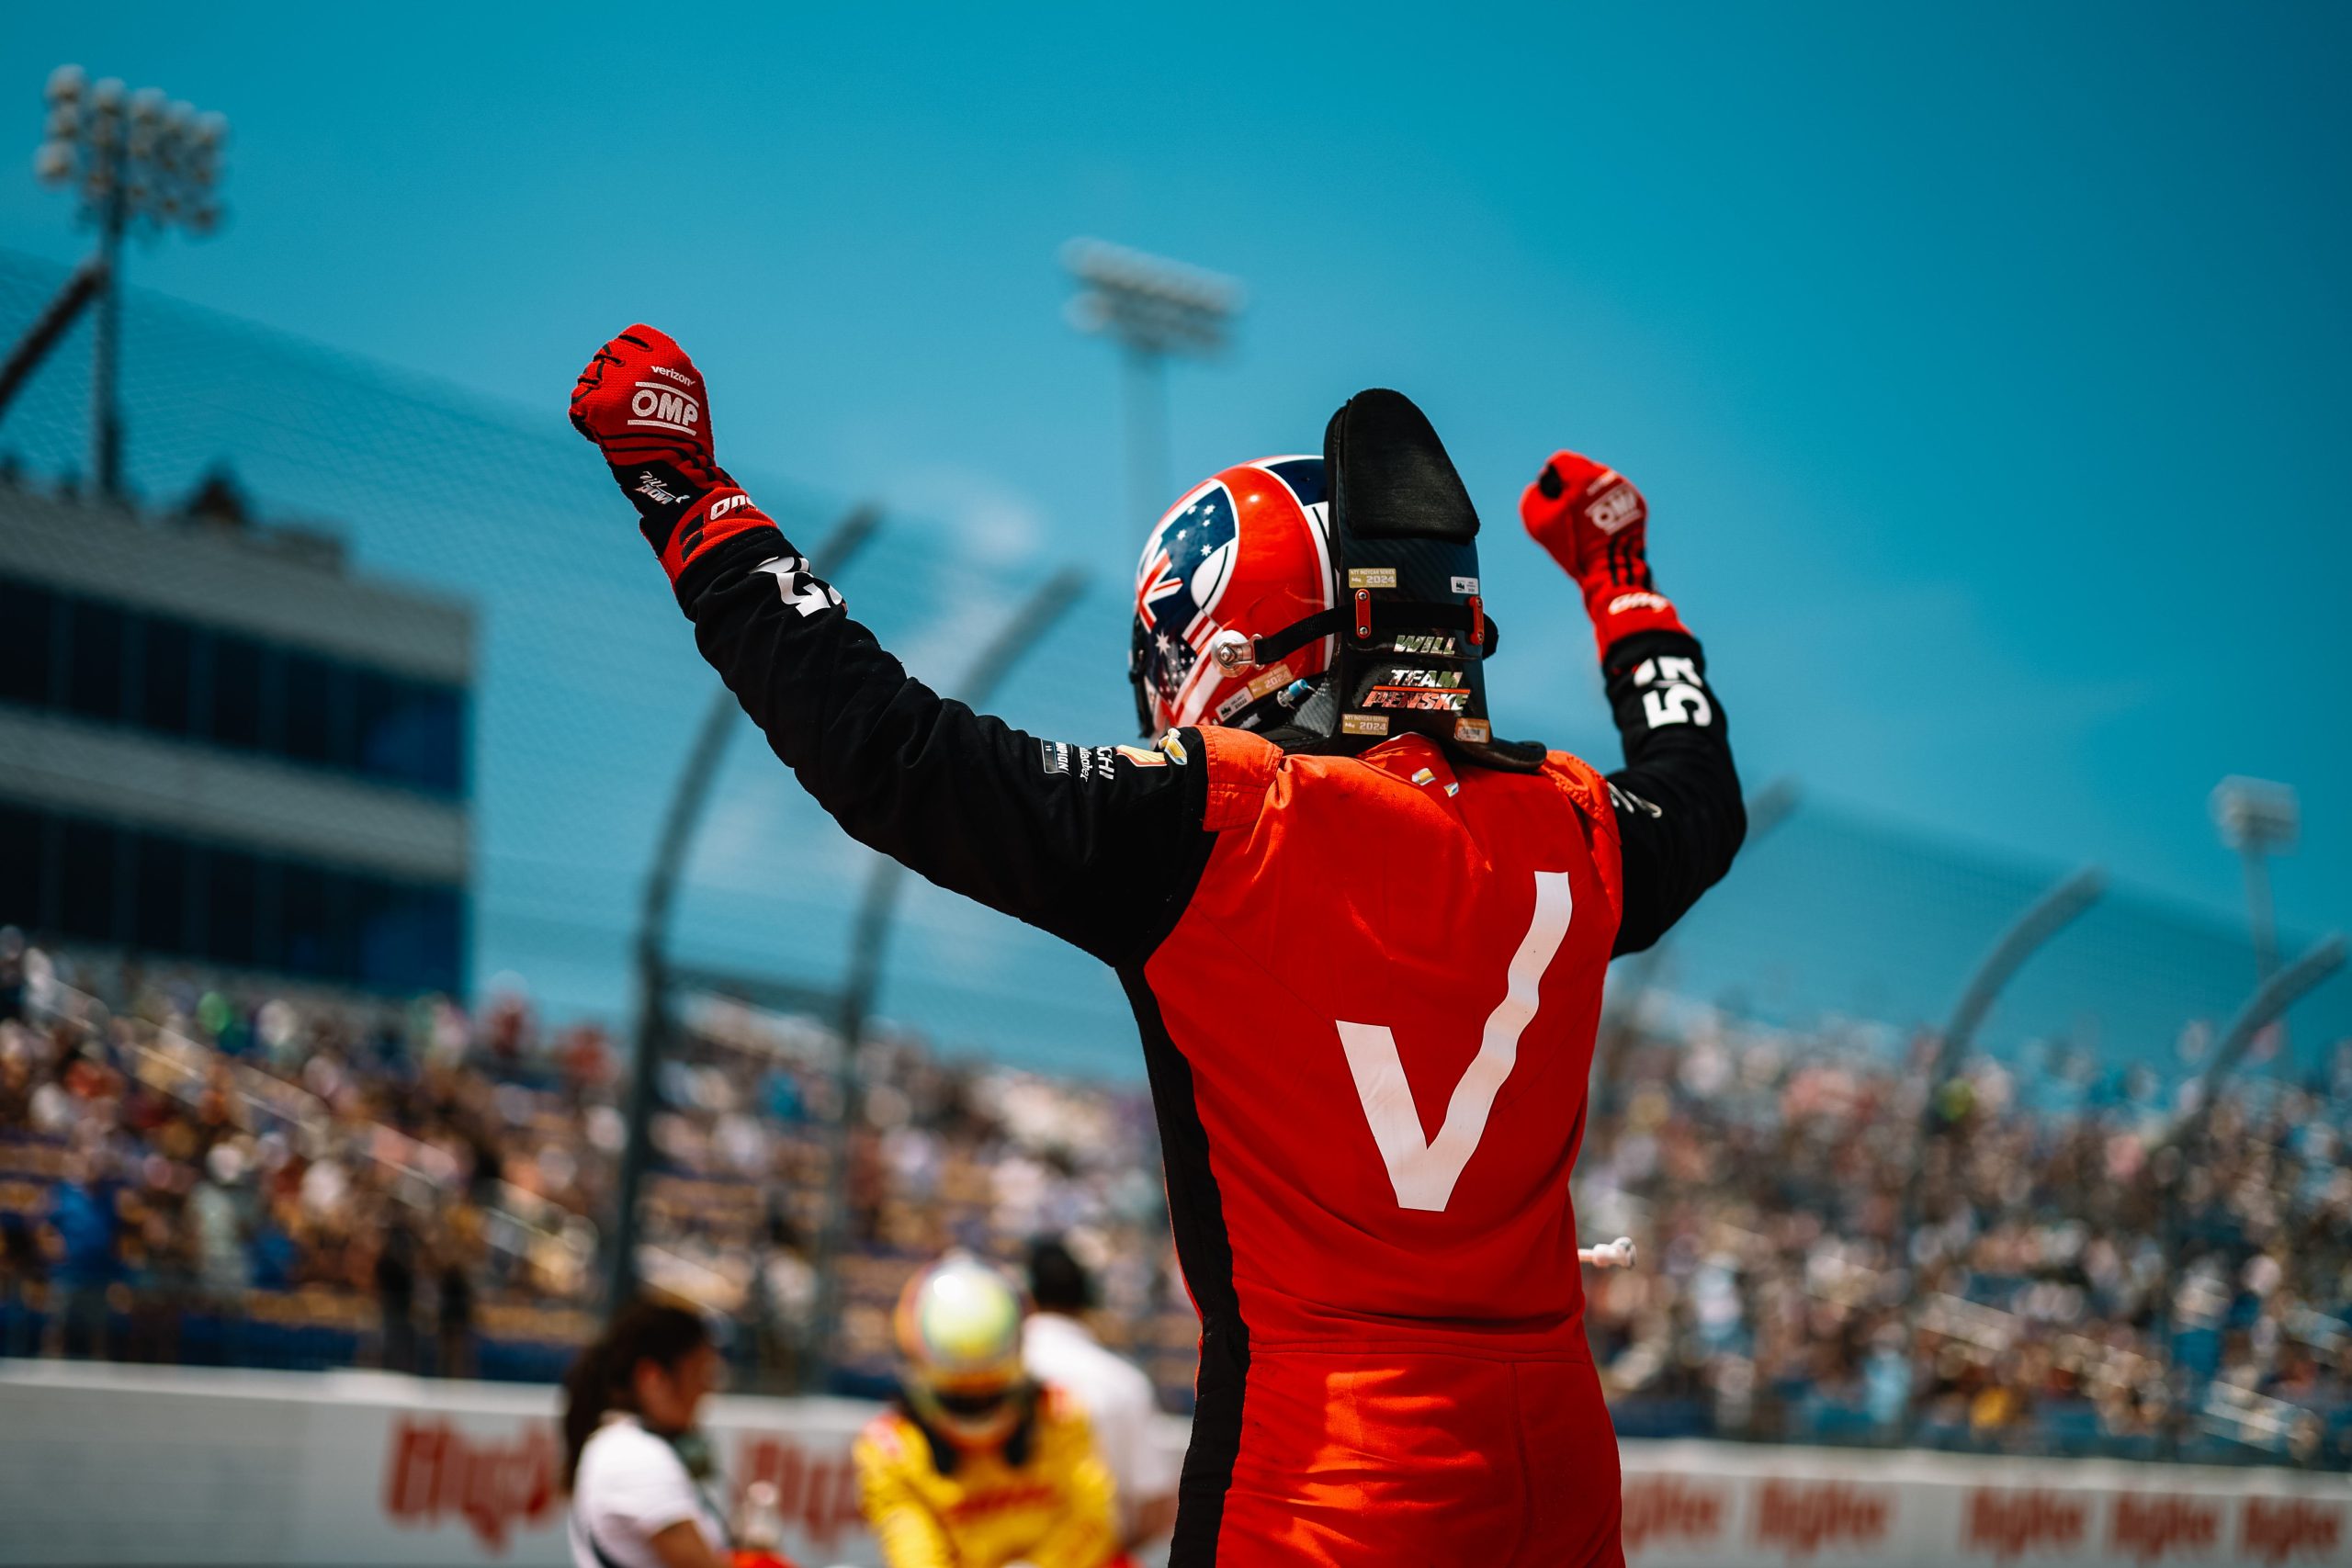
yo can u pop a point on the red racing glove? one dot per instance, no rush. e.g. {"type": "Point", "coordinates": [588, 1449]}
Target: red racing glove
{"type": "Point", "coordinates": [641, 401]}
{"type": "Point", "coordinates": [1596, 525]}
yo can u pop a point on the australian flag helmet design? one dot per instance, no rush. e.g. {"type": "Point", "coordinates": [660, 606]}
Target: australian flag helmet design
{"type": "Point", "coordinates": [1247, 551]}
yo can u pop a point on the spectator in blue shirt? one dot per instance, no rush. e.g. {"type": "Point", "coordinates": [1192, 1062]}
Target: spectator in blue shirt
{"type": "Point", "coordinates": [83, 1230]}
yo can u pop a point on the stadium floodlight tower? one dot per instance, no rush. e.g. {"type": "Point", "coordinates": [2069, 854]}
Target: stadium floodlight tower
{"type": "Point", "coordinates": [135, 159]}
{"type": "Point", "coordinates": [2256, 818]}
{"type": "Point", "coordinates": [1154, 309]}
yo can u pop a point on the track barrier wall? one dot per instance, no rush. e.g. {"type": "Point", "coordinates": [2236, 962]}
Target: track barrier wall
{"type": "Point", "coordinates": [171, 1468]}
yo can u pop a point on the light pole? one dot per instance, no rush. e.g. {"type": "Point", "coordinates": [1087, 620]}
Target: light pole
{"type": "Point", "coordinates": [688, 800]}
{"type": "Point", "coordinates": [134, 158]}
{"type": "Point", "coordinates": [2256, 818]}
{"type": "Point", "coordinates": [2059, 906]}
{"type": "Point", "coordinates": [1154, 309]}
{"type": "Point", "coordinates": [1021, 632]}
{"type": "Point", "coordinates": [2169, 1156]}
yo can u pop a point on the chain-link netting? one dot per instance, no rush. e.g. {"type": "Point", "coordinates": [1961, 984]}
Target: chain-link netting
{"type": "Point", "coordinates": [588, 689]}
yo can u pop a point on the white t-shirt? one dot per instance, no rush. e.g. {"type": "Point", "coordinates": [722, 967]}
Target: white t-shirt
{"type": "Point", "coordinates": [1117, 1400]}
{"type": "Point", "coordinates": [631, 1487]}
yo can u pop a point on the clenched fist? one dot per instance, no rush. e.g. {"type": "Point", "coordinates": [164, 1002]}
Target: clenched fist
{"type": "Point", "coordinates": [1596, 525]}
{"type": "Point", "coordinates": [642, 403]}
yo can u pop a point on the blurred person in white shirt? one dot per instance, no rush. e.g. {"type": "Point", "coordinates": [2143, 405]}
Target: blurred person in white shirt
{"type": "Point", "coordinates": [1057, 1348]}
{"type": "Point", "coordinates": [638, 1469]}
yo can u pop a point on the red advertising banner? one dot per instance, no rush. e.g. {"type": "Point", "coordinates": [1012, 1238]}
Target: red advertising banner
{"type": "Point", "coordinates": [192, 1469]}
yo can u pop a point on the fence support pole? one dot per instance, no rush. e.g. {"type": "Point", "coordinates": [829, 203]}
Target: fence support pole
{"type": "Point", "coordinates": [687, 801]}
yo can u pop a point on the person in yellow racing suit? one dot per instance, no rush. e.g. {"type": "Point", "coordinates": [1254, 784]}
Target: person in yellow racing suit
{"type": "Point", "coordinates": [978, 1467]}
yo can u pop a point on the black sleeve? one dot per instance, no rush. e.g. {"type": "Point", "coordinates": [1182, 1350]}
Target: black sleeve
{"type": "Point", "coordinates": [1097, 844]}
{"type": "Point", "coordinates": [1678, 809]}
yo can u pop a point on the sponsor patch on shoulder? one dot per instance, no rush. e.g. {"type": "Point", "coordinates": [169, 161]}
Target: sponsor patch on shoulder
{"type": "Point", "coordinates": [1096, 762]}
{"type": "Point", "coordinates": [1626, 800]}
{"type": "Point", "coordinates": [1428, 777]}
{"type": "Point", "coordinates": [1174, 744]}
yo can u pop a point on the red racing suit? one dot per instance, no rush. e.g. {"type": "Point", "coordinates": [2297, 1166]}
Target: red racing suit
{"type": "Point", "coordinates": [1367, 987]}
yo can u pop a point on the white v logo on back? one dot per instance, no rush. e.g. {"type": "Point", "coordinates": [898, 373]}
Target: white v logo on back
{"type": "Point", "coordinates": [1424, 1173]}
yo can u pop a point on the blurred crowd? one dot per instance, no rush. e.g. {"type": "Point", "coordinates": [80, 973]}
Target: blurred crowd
{"type": "Point", "coordinates": [194, 1168]}
{"type": "Point", "coordinates": [2053, 1258]}
{"type": "Point", "coordinates": [939, 1153]}
{"type": "Point", "coordinates": [250, 1175]}
{"type": "Point", "coordinates": [2048, 1256]}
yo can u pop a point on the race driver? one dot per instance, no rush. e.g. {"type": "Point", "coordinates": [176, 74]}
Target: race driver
{"type": "Point", "coordinates": [1364, 939]}
{"type": "Point", "coordinates": [979, 1466]}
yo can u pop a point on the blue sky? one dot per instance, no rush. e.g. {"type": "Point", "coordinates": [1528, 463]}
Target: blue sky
{"type": "Point", "coordinates": [1982, 363]}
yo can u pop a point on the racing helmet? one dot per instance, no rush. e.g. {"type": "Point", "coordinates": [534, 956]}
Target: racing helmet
{"type": "Point", "coordinates": [1242, 554]}
{"type": "Point", "coordinates": [1332, 603]}
{"type": "Point", "coordinates": [958, 1327]}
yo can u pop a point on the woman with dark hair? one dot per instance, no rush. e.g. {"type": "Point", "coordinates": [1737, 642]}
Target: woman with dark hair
{"type": "Point", "coordinates": [633, 1461]}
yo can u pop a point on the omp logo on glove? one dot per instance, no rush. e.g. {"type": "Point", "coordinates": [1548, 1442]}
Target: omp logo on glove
{"type": "Point", "coordinates": [656, 405]}
{"type": "Point", "coordinates": [1618, 507]}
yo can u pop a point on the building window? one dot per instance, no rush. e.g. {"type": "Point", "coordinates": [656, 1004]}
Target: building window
{"type": "Point", "coordinates": [412, 732]}
{"type": "Point", "coordinates": [235, 718]}
{"type": "Point", "coordinates": [28, 615]}
{"type": "Point", "coordinates": [167, 676]}
{"type": "Point", "coordinates": [310, 707]}
{"type": "Point", "coordinates": [314, 920]}
{"type": "Point", "coordinates": [174, 677]}
{"type": "Point", "coordinates": [88, 903]}
{"type": "Point", "coordinates": [164, 895]}
{"type": "Point", "coordinates": [22, 842]}
{"type": "Point", "coordinates": [232, 907]}
{"type": "Point", "coordinates": [159, 913]}
{"type": "Point", "coordinates": [94, 667]}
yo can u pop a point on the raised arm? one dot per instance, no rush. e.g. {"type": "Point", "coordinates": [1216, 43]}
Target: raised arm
{"type": "Point", "coordinates": [1095, 844]}
{"type": "Point", "coordinates": [1678, 809]}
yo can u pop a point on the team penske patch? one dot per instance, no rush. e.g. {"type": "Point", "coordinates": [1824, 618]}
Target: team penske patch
{"type": "Point", "coordinates": [1420, 699]}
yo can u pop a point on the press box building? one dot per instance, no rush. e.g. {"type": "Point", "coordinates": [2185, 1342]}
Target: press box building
{"type": "Point", "coordinates": [218, 744]}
